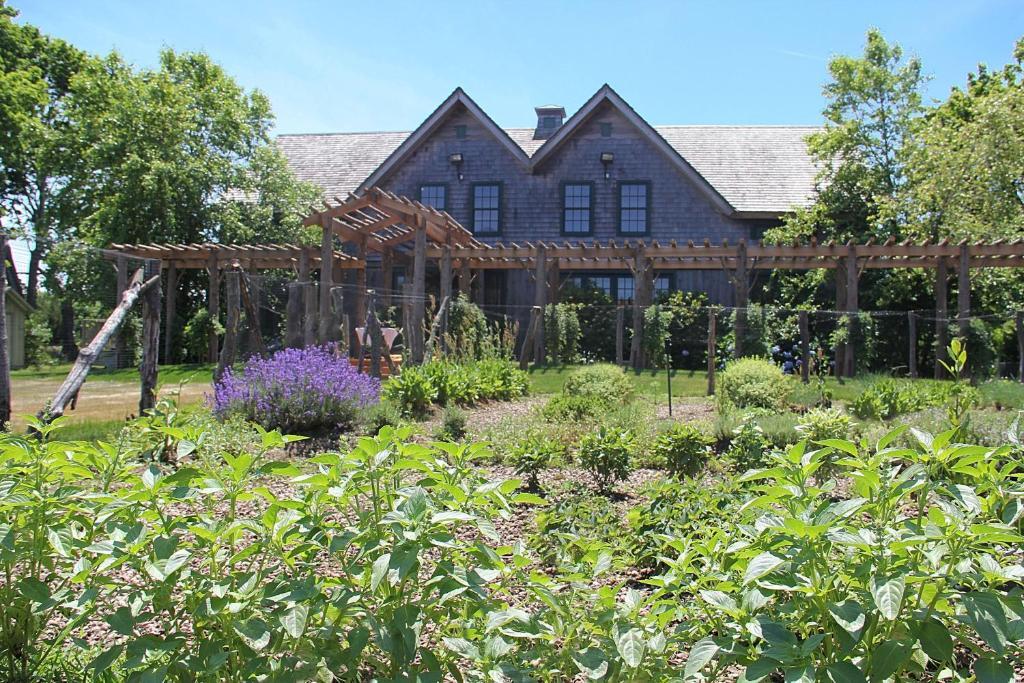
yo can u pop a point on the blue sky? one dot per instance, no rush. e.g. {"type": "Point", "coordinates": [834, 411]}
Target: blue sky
{"type": "Point", "coordinates": [343, 66]}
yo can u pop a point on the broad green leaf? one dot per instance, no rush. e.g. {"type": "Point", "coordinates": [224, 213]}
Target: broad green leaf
{"type": "Point", "coordinates": [379, 570]}
{"type": "Point", "coordinates": [106, 658]}
{"type": "Point", "coordinates": [889, 657]}
{"type": "Point", "coordinates": [631, 646]}
{"type": "Point", "coordinates": [702, 652]}
{"type": "Point", "coordinates": [763, 564]}
{"type": "Point", "coordinates": [849, 615]}
{"type": "Point", "coordinates": [799, 674]}
{"type": "Point", "coordinates": [462, 648]}
{"type": "Point", "coordinates": [989, 670]}
{"type": "Point", "coordinates": [592, 662]}
{"type": "Point", "coordinates": [719, 599]}
{"type": "Point", "coordinates": [985, 613]}
{"type": "Point", "coordinates": [888, 596]}
{"type": "Point", "coordinates": [34, 589]}
{"type": "Point", "coordinates": [254, 632]}
{"type": "Point", "coordinates": [936, 641]}
{"type": "Point", "coordinates": [293, 620]}
{"type": "Point", "coordinates": [844, 672]}
{"type": "Point", "coordinates": [122, 621]}
{"type": "Point", "coordinates": [451, 516]}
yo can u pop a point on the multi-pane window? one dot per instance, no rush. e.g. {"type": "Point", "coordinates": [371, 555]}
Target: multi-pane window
{"type": "Point", "coordinates": [662, 285]}
{"type": "Point", "coordinates": [576, 209]}
{"type": "Point", "coordinates": [434, 195]}
{"type": "Point", "coordinates": [633, 205]}
{"type": "Point", "coordinates": [601, 282]}
{"type": "Point", "coordinates": [626, 288]}
{"type": "Point", "coordinates": [486, 208]}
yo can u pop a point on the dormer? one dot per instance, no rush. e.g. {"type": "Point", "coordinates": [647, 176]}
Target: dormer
{"type": "Point", "coordinates": [549, 120]}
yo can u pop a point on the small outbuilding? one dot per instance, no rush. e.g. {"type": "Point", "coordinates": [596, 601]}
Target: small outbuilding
{"type": "Point", "coordinates": [18, 311]}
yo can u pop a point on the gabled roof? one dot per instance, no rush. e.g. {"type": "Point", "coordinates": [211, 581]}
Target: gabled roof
{"type": "Point", "coordinates": [458, 97]}
{"type": "Point", "coordinates": [606, 95]}
{"type": "Point", "coordinates": [754, 170]}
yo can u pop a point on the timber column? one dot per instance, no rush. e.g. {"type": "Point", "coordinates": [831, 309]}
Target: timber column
{"type": "Point", "coordinates": [326, 279]}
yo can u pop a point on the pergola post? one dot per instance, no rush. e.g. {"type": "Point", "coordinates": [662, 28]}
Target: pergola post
{"type": "Point", "coordinates": [446, 293]}
{"type": "Point", "coordinates": [121, 345]}
{"type": "Point", "coordinates": [419, 276]}
{"type": "Point", "coordinates": [465, 279]}
{"type": "Point", "coordinates": [359, 296]}
{"type": "Point", "coordinates": [171, 306]}
{"type": "Point", "coordinates": [712, 346]}
{"type": "Point", "coordinates": [839, 353]}
{"type": "Point", "coordinates": [554, 281]}
{"type": "Point", "coordinates": [963, 292]}
{"type": "Point", "coordinates": [941, 312]}
{"type": "Point", "coordinates": [213, 305]}
{"type": "Point", "coordinates": [741, 281]}
{"type": "Point", "coordinates": [852, 307]}
{"type": "Point", "coordinates": [478, 287]}
{"type": "Point", "coordinates": [326, 279]}
{"type": "Point", "coordinates": [640, 302]}
{"type": "Point", "coordinates": [805, 347]}
{"type": "Point", "coordinates": [912, 344]}
{"type": "Point", "coordinates": [230, 347]}
{"type": "Point", "coordinates": [540, 289]}
{"type": "Point", "coordinates": [148, 368]}
{"type": "Point", "coordinates": [308, 301]}
{"type": "Point", "coordinates": [387, 267]}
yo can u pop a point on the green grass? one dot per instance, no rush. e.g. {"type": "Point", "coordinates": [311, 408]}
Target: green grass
{"type": "Point", "coordinates": [90, 430]}
{"type": "Point", "coordinates": [168, 374]}
{"type": "Point", "coordinates": [652, 383]}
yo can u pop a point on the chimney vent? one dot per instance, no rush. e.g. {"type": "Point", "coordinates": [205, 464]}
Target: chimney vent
{"type": "Point", "coordinates": [549, 119]}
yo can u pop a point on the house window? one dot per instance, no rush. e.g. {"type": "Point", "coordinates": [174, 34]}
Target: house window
{"type": "Point", "coordinates": [602, 283]}
{"type": "Point", "coordinates": [606, 130]}
{"type": "Point", "coordinates": [633, 207]}
{"type": "Point", "coordinates": [662, 284]}
{"type": "Point", "coordinates": [434, 195]}
{"type": "Point", "coordinates": [486, 208]}
{"type": "Point", "coordinates": [626, 288]}
{"type": "Point", "coordinates": [460, 132]}
{"type": "Point", "coordinates": [576, 209]}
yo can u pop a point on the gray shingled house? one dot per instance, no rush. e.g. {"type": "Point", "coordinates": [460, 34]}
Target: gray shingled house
{"type": "Point", "coordinates": [603, 173]}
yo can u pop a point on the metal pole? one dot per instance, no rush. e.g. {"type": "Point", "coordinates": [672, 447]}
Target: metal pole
{"type": "Point", "coordinates": [668, 374]}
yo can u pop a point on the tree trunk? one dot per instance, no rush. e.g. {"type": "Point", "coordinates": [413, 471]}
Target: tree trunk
{"type": "Point", "coordinates": [68, 347]}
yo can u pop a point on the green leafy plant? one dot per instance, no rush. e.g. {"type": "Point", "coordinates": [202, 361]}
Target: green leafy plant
{"type": "Point", "coordinates": [607, 455]}
{"type": "Point", "coordinates": [749, 447]}
{"type": "Point", "coordinates": [819, 424]}
{"type": "Point", "coordinates": [532, 455]}
{"type": "Point", "coordinates": [606, 382]}
{"type": "Point", "coordinates": [374, 418]}
{"type": "Point", "coordinates": [683, 449]}
{"type": "Point", "coordinates": [752, 383]}
{"type": "Point", "coordinates": [564, 408]}
{"type": "Point", "coordinates": [453, 424]}
{"type": "Point", "coordinates": [412, 391]}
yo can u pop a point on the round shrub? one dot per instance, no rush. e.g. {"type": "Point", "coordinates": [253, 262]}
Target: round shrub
{"type": "Point", "coordinates": [825, 423]}
{"type": "Point", "coordinates": [603, 381]}
{"type": "Point", "coordinates": [606, 455]}
{"type": "Point", "coordinates": [296, 390]}
{"type": "Point", "coordinates": [412, 391]}
{"type": "Point", "coordinates": [574, 408]}
{"type": "Point", "coordinates": [683, 449]}
{"type": "Point", "coordinates": [752, 383]}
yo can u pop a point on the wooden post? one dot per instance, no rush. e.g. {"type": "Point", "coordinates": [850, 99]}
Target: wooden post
{"type": "Point", "coordinates": [620, 333]}
{"type": "Point", "coordinates": [359, 295]}
{"type": "Point", "coordinates": [540, 292]}
{"type": "Point", "coordinates": [250, 301]}
{"type": "Point", "coordinates": [446, 293]}
{"type": "Point", "coordinates": [293, 330]}
{"type": "Point", "coordinates": [742, 284]}
{"type": "Point", "coordinates": [528, 341]}
{"type": "Point", "coordinates": [213, 305]}
{"type": "Point", "coordinates": [338, 308]}
{"type": "Point", "coordinates": [963, 293]}
{"type": "Point", "coordinates": [852, 306]}
{"type": "Point", "coordinates": [346, 335]}
{"type": "Point", "coordinates": [478, 287]}
{"type": "Point", "coordinates": [87, 356]}
{"type": "Point", "coordinates": [230, 346]}
{"type": "Point", "coordinates": [640, 265]}
{"type": "Point", "coordinates": [387, 269]}
{"type": "Point", "coordinates": [308, 302]}
{"type": "Point", "coordinates": [5, 359]}
{"type": "Point", "coordinates": [912, 344]}
{"type": "Point", "coordinates": [121, 345]}
{"type": "Point", "coordinates": [434, 329]}
{"type": "Point", "coordinates": [712, 347]}
{"type": "Point", "coordinates": [554, 281]}
{"type": "Point", "coordinates": [407, 319]}
{"type": "Point", "coordinates": [465, 279]}
{"type": "Point", "coordinates": [805, 347]}
{"type": "Point", "coordinates": [1019, 320]}
{"type": "Point", "coordinates": [150, 339]}
{"type": "Point", "coordinates": [941, 313]}
{"type": "Point", "coordinates": [372, 327]}
{"type": "Point", "coordinates": [171, 306]}
{"type": "Point", "coordinates": [419, 276]}
{"type": "Point", "coordinates": [326, 279]}
{"type": "Point", "coordinates": [839, 352]}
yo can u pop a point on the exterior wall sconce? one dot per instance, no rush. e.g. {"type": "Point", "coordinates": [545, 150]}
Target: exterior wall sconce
{"type": "Point", "coordinates": [456, 161]}
{"type": "Point", "coordinates": [606, 160]}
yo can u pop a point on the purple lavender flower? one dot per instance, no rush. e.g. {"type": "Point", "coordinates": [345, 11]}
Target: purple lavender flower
{"type": "Point", "coordinates": [296, 390]}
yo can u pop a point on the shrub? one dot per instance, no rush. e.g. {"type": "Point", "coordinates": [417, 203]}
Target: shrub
{"type": "Point", "coordinates": [296, 390]}
{"type": "Point", "coordinates": [561, 333]}
{"type": "Point", "coordinates": [749, 448]}
{"type": "Point", "coordinates": [376, 417]}
{"type": "Point", "coordinates": [606, 382]}
{"type": "Point", "coordinates": [752, 383]}
{"type": "Point", "coordinates": [453, 424]}
{"type": "Point", "coordinates": [573, 408]}
{"type": "Point", "coordinates": [683, 449]}
{"type": "Point", "coordinates": [412, 391]}
{"type": "Point", "coordinates": [532, 455]}
{"type": "Point", "coordinates": [887, 398]}
{"type": "Point", "coordinates": [500, 380]}
{"type": "Point", "coordinates": [606, 455]}
{"type": "Point", "coordinates": [825, 423]}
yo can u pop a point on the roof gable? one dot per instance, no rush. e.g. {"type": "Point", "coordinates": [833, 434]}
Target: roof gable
{"type": "Point", "coordinates": [607, 95]}
{"type": "Point", "coordinates": [432, 123]}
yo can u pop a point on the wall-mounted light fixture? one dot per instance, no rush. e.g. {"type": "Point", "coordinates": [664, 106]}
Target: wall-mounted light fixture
{"type": "Point", "coordinates": [456, 161]}
{"type": "Point", "coordinates": [606, 160]}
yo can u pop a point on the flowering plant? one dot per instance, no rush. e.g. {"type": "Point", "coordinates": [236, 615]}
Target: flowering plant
{"type": "Point", "coordinates": [296, 390]}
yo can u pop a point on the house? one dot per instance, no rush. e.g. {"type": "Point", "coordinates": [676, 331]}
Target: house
{"type": "Point", "coordinates": [17, 310]}
{"type": "Point", "coordinates": [602, 173]}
